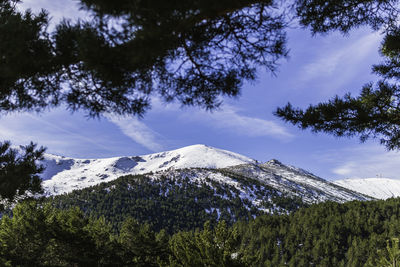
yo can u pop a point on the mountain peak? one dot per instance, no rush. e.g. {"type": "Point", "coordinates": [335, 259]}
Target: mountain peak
{"type": "Point", "coordinates": [66, 174]}
{"type": "Point", "coordinates": [274, 161]}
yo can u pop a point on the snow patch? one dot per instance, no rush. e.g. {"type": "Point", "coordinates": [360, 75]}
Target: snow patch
{"type": "Point", "coordinates": [63, 175]}
{"type": "Point", "coordinates": [380, 188]}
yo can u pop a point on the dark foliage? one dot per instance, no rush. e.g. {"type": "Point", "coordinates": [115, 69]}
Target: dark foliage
{"type": "Point", "coordinates": [375, 112]}
{"type": "Point", "coordinates": [27, 66]}
{"type": "Point", "coordinates": [19, 171]}
{"type": "Point", "coordinates": [39, 235]}
{"type": "Point", "coordinates": [143, 246]}
{"type": "Point", "coordinates": [172, 203]}
{"type": "Point", "coordinates": [188, 51]}
{"type": "Point", "coordinates": [209, 247]}
{"type": "Point", "coordinates": [327, 234]}
{"type": "Point", "coordinates": [191, 52]}
{"type": "Point", "coordinates": [324, 16]}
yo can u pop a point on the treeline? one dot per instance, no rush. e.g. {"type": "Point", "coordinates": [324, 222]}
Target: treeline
{"type": "Point", "coordinates": [37, 235]}
{"type": "Point", "coordinates": [41, 235]}
{"type": "Point", "coordinates": [327, 234]}
{"type": "Point", "coordinates": [176, 202]}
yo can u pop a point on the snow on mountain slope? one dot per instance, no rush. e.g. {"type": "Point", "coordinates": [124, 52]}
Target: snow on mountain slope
{"type": "Point", "coordinates": [297, 182]}
{"type": "Point", "coordinates": [381, 188]}
{"type": "Point", "coordinates": [63, 174]}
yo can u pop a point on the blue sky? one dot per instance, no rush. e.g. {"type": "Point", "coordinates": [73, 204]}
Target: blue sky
{"type": "Point", "coordinates": [318, 68]}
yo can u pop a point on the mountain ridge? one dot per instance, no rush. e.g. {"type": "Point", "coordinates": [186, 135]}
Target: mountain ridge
{"type": "Point", "coordinates": [64, 174]}
{"type": "Point", "coordinates": [380, 188]}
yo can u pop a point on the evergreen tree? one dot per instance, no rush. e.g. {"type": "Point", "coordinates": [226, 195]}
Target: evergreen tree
{"type": "Point", "coordinates": [39, 235]}
{"type": "Point", "coordinates": [375, 112]}
{"type": "Point", "coordinates": [188, 51]}
{"type": "Point", "coordinates": [19, 171]}
{"type": "Point", "coordinates": [325, 16]}
{"type": "Point", "coordinates": [388, 257]}
{"type": "Point", "coordinates": [27, 65]}
{"type": "Point", "coordinates": [142, 246]}
{"type": "Point", "coordinates": [209, 247]}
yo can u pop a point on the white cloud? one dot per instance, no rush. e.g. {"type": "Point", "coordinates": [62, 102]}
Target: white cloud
{"type": "Point", "coordinates": [47, 130]}
{"type": "Point", "coordinates": [341, 63]}
{"type": "Point", "coordinates": [138, 132]}
{"type": "Point", "coordinates": [227, 118]}
{"type": "Point", "coordinates": [230, 119]}
{"type": "Point", "coordinates": [365, 161]}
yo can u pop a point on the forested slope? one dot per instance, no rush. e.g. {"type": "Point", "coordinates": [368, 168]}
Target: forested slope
{"type": "Point", "coordinates": [326, 234]}
{"type": "Point", "coordinates": [179, 200]}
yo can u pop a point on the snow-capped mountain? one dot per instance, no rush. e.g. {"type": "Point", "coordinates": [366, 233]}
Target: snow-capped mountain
{"type": "Point", "coordinates": [297, 182]}
{"type": "Point", "coordinates": [64, 175]}
{"type": "Point", "coordinates": [381, 188]}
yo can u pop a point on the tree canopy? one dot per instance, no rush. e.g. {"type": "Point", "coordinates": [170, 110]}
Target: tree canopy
{"type": "Point", "coordinates": [192, 52]}
{"type": "Point", "coordinates": [26, 60]}
{"type": "Point", "coordinates": [327, 234]}
{"type": "Point", "coordinates": [375, 113]}
{"type": "Point", "coordinates": [19, 171]}
{"type": "Point", "coordinates": [188, 51]}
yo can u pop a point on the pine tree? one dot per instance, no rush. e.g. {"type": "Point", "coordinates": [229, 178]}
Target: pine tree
{"type": "Point", "coordinates": [389, 257]}
{"type": "Point", "coordinates": [40, 235]}
{"type": "Point", "coordinates": [27, 65]}
{"type": "Point", "coordinates": [375, 112]}
{"type": "Point", "coordinates": [209, 247]}
{"type": "Point", "coordinates": [142, 246]}
{"type": "Point", "coordinates": [191, 52]}
{"type": "Point", "coordinates": [19, 171]}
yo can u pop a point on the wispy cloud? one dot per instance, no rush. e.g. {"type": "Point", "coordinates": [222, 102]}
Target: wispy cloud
{"type": "Point", "coordinates": [365, 160]}
{"type": "Point", "coordinates": [341, 63]}
{"type": "Point", "coordinates": [138, 132]}
{"type": "Point", "coordinates": [73, 134]}
{"type": "Point", "coordinates": [230, 119]}
{"type": "Point", "coordinates": [47, 130]}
